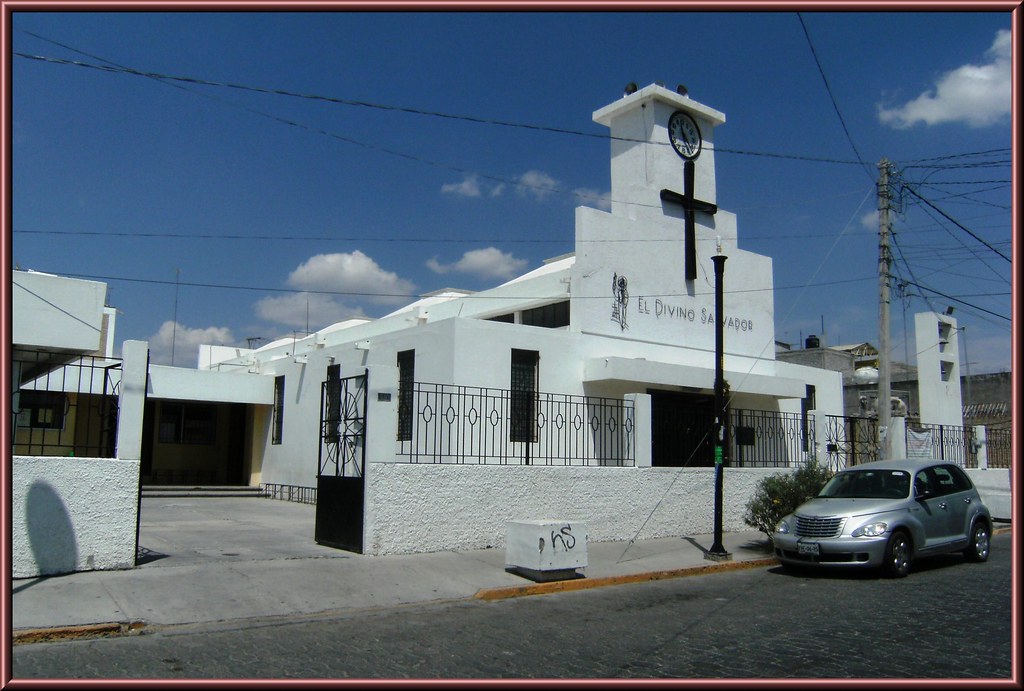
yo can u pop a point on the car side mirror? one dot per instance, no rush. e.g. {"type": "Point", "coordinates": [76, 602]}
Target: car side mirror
{"type": "Point", "coordinates": [922, 493]}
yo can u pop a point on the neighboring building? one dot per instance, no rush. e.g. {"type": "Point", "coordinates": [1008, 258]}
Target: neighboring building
{"type": "Point", "coordinates": [64, 372]}
{"type": "Point", "coordinates": [941, 403]}
{"type": "Point", "coordinates": [858, 363]}
{"type": "Point", "coordinates": [986, 398]}
{"type": "Point", "coordinates": [74, 501]}
{"type": "Point", "coordinates": [604, 358]}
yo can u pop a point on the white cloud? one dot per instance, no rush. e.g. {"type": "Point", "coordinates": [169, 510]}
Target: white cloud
{"type": "Point", "coordinates": [472, 186]}
{"type": "Point", "coordinates": [978, 95]}
{"type": "Point", "coordinates": [437, 267]}
{"type": "Point", "coordinates": [354, 273]}
{"type": "Point", "coordinates": [469, 187]}
{"type": "Point", "coordinates": [593, 198]}
{"type": "Point", "coordinates": [292, 310]}
{"type": "Point", "coordinates": [870, 220]}
{"type": "Point", "coordinates": [185, 343]}
{"type": "Point", "coordinates": [485, 263]}
{"type": "Point", "coordinates": [537, 184]}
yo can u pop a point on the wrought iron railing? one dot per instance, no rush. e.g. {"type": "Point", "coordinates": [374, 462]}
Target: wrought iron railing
{"type": "Point", "coordinates": [65, 409]}
{"type": "Point", "coordinates": [998, 448]}
{"type": "Point", "coordinates": [464, 424]}
{"type": "Point", "coordinates": [850, 441]}
{"type": "Point", "coordinates": [342, 425]}
{"type": "Point", "coordinates": [293, 493]}
{"type": "Point", "coordinates": [769, 438]}
{"type": "Point", "coordinates": [951, 443]}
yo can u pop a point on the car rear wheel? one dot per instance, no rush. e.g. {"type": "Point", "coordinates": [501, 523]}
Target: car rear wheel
{"type": "Point", "coordinates": [897, 555]}
{"type": "Point", "coordinates": [978, 550]}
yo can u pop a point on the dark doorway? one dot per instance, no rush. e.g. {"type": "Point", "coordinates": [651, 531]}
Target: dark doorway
{"type": "Point", "coordinates": [194, 443]}
{"type": "Point", "coordinates": [681, 429]}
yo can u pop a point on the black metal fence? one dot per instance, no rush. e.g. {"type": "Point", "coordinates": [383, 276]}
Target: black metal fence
{"type": "Point", "coordinates": [998, 448]}
{"type": "Point", "coordinates": [65, 408]}
{"type": "Point", "coordinates": [293, 493]}
{"type": "Point", "coordinates": [443, 423]}
{"type": "Point", "coordinates": [850, 441]}
{"type": "Point", "coordinates": [770, 439]}
{"type": "Point", "coordinates": [953, 443]}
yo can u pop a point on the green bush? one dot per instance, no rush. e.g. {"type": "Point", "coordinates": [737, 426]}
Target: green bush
{"type": "Point", "coordinates": [780, 494]}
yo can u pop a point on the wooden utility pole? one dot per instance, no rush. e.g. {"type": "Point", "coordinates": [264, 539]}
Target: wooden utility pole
{"type": "Point", "coordinates": [884, 262]}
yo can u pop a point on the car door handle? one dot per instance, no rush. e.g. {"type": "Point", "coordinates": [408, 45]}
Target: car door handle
{"type": "Point", "coordinates": [967, 500]}
{"type": "Point", "coordinates": [942, 505]}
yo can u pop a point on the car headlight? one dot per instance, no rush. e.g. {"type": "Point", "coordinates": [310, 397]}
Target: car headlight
{"type": "Point", "coordinates": [870, 530]}
{"type": "Point", "coordinates": [782, 527]}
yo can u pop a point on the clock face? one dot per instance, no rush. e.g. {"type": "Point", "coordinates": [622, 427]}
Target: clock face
{"type": "Point", "coordinates": [684, 135]}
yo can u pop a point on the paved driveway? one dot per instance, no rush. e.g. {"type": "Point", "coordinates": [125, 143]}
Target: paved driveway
{"type": "Point", "coordinates": [176, 531]}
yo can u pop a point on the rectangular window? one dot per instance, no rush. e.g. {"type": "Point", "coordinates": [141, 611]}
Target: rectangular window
{"type": "Point", "coordinates": [188, 423]}
{"type": "Point", "coordinates": [331, 427]}
{"type": "Point", "coordinates": [550, 316]}
{"type": "Point", "coordinates": [406, 377]}
{"type": "Point", "coordinates": [277, 430]}
{"type": "Point", "coordinates": [523, 403]}
{"type": "Point", "coordinates": [42, 409]}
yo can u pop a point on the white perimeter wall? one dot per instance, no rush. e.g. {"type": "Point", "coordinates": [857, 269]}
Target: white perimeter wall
{"type": "Point", "coordinates": [73, 516]}
{"type": "Point", "coordinates": [438, 507]}
{"type": "Point", "coordinates": [431, 508]}
{"type": "Point", "coordinates": [994, 487]}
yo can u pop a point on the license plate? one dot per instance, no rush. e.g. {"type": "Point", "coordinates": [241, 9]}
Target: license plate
{"type": "Point", "coordinates": [807, 548]}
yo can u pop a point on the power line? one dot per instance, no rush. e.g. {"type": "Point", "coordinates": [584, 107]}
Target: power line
{"type": "Point", "coordinates": [962, 302]}
{"type": "Point", "coordinates": [828, 88]}
{"type": "Point", "coordinates": [988, 152]}
{"type": "Point", "coordinates": [346, 293]}
{"type": "Point", "coordinates": [949, 218]}
{"type": "Point", "coordinates": [117, 69]}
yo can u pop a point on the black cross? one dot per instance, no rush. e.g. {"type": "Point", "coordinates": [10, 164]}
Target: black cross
{"type": "Point", "coordinates": [690, 205]}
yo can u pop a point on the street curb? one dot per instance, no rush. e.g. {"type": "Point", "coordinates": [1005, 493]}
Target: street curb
{"type": "Point", "coordinates": [505, 593]}
{"type": "Point", "coordinates": [69, 633]}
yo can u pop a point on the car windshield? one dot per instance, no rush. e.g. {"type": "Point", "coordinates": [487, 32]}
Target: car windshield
{"type": "Point", "coordinates": [867, 484]}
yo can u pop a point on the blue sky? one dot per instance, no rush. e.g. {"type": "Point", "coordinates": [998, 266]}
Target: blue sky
{"type": "Point", "coordinates": [241, 214]}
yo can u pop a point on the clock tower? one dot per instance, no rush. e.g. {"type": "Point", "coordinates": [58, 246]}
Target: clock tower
{"type": "Point", "coordinates": [644, 269]}
{"type": "Point", "coordinates": [653, 131]}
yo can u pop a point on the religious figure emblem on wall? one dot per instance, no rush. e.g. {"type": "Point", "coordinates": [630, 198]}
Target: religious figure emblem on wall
{"type": "Point", "coordinates": [621, 295]}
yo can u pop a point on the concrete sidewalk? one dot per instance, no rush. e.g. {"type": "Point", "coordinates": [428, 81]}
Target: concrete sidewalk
{"type": "Point", "coordinates": [207, 560]}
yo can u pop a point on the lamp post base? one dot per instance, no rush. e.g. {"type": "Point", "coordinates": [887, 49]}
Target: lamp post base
{"type": "Point", "coordinates": [718, 556]}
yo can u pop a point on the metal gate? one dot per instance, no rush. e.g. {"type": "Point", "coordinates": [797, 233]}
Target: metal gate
{"type": "Point", "coordinates": [850, 441]}
{"type": "Point", "coordinates": [341, 461]}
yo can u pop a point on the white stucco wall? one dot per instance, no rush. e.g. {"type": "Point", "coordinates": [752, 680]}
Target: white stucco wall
{"type": "Point", "coordinates": [994, 487]}
{"type": "Point", "coordinates": [77, 514]}
{"type": "Point", "coordinates": [938, 369]}
{"type": "Point", "coordinates": [57, 313]}
{"type": "Point", "coordinates": [430, 508]}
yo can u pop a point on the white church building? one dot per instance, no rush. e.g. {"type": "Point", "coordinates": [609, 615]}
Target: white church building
{"type": "Point", "coordinates": [581, 390]}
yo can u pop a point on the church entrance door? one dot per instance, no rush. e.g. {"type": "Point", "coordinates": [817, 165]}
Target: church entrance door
{"type": "Point", "coordinates": [681, 429]}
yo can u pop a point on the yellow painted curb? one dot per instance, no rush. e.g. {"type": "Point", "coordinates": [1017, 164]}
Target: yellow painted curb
{"type": "Point", "coordinates": [65, 633]}
{"type": "Point", "coordinates": [587, 583]}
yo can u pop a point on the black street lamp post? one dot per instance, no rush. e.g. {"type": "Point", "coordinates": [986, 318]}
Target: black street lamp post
{"type": "Point", "coordinates": [721, 429]}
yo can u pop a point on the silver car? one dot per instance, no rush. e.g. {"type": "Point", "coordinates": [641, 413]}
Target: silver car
{"type": "Point", "coordinates": [886, 514]}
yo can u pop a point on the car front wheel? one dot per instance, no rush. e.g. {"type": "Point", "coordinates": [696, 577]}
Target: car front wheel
{"type": "Point", "coordinates": [897, 555]}
{"type": "Point", "coordinates": [978, 550]}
